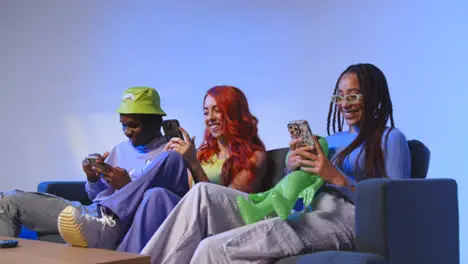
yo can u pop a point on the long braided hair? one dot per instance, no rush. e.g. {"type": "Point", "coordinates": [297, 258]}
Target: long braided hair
{"type": "Point", "coordinates": [377, 111]}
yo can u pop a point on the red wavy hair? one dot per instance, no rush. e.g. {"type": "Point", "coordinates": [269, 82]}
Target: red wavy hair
{"type": "Point", "coordinates": [239, 129]}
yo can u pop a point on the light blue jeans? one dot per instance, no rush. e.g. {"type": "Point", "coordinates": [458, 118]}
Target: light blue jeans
{"type": "Point", "coordinates": [206, 227]}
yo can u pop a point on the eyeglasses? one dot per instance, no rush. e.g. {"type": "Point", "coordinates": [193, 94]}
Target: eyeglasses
{"type": "Point", "coordinates": [350, 98]}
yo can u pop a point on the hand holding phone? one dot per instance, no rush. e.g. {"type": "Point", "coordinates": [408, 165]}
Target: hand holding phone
{"type": "Point", "coordinates": [88, 163]}
{"type": "Point", "coordinates": [92, 161]}
{"type": "Point", "coordinates": [171, 128]}
{"type": "Point", "coordinates": [300, 130]}
{"type": "Point", "coordinates": [91, 158]}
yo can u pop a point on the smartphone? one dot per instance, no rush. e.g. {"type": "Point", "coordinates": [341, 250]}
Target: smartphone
{"type": "Point", "coordinates": [91, 159]}
{"type": "Point", "coordinates": [171, 128]}
{"type": "Point", "coordinates": [103, 166]}
{"type": "Point", "coordinates": [301, 129]}
{"type": "Point", "coordinates": [8, 243]}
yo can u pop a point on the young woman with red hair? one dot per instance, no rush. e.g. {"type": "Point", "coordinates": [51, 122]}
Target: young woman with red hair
{"type": "Point", "coordinates": [232, 153]}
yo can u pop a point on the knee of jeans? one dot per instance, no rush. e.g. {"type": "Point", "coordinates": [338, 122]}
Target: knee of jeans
{"type": "Point", "coordinates": [155, 193]}
{"type": "Point", "coordinates": [10, 198]}
{"type": "Point", "coordinates": [198, 188]}
{"type": "Point", "coordinates": [173, 156]}
{"type": "Point", "coordinates": [209, 246]}
{"type": "Point", "coordinates": [204, 186]}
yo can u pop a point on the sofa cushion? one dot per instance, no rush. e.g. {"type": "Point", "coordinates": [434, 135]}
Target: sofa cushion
{"type": "Point", "coordinates": [275, 162]}
{"type": "Point", "coordinates": [420, 156]}
{"type": "Point", "coordinates": [334, 257]}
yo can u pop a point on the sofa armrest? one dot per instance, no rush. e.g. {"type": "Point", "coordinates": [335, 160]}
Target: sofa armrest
{"type": "Point", "coordinates": [408, 221]}
{"type": "Point", "coordinates": [334, 257]}
{"type": "Point", "coordinates": [70, 190]}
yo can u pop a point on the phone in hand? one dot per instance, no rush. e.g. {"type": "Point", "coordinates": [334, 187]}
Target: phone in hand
{"type": "Point", "coordinates": [301, 129]}
{"type": "Point", "coordinates": [171, 128]}
{"type": "Point", "coordinates": [8, 243]}
{"type": "Point", "coordinates": [91, 159]}
{"type": "Point", "coordinates": [103, 166]}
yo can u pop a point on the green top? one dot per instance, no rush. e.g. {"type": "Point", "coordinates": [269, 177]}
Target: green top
{"type": "Point", "coordinates": [213, 170]}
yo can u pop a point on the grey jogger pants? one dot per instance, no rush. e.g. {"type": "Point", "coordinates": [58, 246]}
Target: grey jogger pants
{"type": "Point", "coordinates": [206, 228]}
{"type": "Point", "coordinates": [36, 211]}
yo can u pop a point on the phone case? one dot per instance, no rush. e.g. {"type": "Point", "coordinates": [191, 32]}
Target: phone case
{"type": "Point", "coordinates": [8, 243]}
{"type": "Point", "coordinates": [91, 158]}
{"type": "Point", "coordinates": [103, 166]}
{"type": "Point", "coordinates": [301, 129]}
{"type": "Point", "coordinates": [171, 128]}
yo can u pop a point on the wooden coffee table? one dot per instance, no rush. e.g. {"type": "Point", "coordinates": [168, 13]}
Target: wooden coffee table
{"type": "Point", "coordinates": [33, 251]}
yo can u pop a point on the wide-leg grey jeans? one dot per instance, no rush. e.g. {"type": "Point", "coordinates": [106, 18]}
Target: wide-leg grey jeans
{"type": "Point", "coordinates": [206, 227]}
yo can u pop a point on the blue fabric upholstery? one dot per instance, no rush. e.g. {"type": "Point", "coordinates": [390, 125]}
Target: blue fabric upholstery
{"type": "Point", "coordinates": [420, 157]}
{"type": "Point", "coordinates": [408, 221]}
{"type": "Point", "coordinates": [70, 190]}
{"type": "Point", "coordinates": [334, 257]}
{"type": "Point", "coordinates": [28, 234]}
{"type": "Point", "coordinates": [400, 222]}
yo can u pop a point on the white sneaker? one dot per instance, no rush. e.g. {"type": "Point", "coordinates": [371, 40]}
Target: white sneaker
{"type": "Point", "coordinates": [84, 230]}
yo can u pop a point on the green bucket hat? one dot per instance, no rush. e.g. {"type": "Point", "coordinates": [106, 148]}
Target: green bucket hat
{"type": "Point", "coordinates": [141, 100]}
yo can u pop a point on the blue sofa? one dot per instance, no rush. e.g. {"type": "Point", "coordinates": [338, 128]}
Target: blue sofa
{"type": "Point", "coordinates": [412, 221]}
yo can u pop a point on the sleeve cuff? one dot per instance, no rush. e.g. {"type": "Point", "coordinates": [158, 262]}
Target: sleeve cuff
{"type": "Point", "coordinates": [94, 186]}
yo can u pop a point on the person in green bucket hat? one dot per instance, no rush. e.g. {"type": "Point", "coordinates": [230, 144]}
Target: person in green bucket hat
{"type": "Point", "coordinates": [141, 115]}
{"type": "Point", "coordinates": [119, 183]}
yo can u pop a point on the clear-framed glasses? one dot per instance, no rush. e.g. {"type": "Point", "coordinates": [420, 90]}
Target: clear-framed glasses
{"type": "Point", "coordinates": [350, 98]}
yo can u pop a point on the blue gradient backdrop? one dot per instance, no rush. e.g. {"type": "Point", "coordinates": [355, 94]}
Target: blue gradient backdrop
{"type": "Point", "coordinates": [64, 65]}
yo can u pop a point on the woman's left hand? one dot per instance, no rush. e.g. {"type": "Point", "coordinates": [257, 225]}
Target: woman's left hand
{"type": "Point", "coordinates": [185, 147]}
{"type": "Point", "coordinates": [317, 163]}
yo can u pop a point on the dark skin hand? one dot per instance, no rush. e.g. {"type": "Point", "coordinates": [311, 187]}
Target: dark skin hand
{"type": "Point", "coordinates": [88, 168]}
{"type": "Point", "coordinates": [115, 176]}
